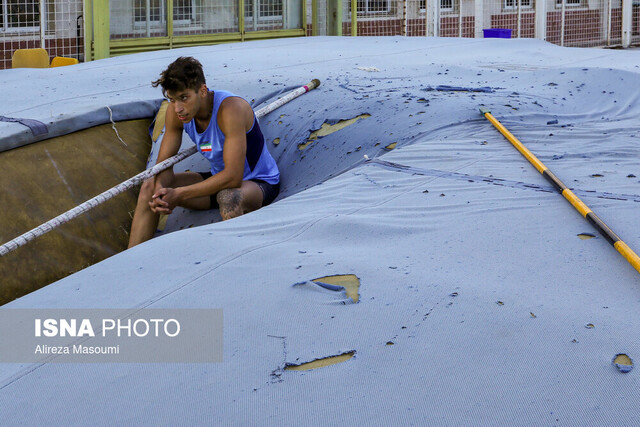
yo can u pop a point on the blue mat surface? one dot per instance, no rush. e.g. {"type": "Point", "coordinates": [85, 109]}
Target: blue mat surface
{"type": "Point", "coordinates": [478, 301]}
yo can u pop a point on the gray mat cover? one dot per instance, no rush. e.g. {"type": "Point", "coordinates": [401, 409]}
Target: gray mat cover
{"type": "Point", "coordinates": [468, 261]}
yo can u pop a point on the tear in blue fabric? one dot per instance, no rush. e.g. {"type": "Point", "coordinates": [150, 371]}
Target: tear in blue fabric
{"type": "Point", "coordinates": [328, 286]}
{"type": "Point", "coordinates": [446, 88]}
{"type": "Point", "coordinates": [37, 128]}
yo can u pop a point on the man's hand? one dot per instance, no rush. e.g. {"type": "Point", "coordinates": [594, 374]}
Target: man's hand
{"type": "Point", "coordinates": [164, 200]}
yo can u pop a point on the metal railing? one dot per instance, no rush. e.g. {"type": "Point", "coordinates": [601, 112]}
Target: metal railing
{"type": "Point", "coordinates": [579, 23]}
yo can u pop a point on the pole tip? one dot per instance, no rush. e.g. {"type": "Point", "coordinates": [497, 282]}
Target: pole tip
{"type": "Point", "coordinates": [484, 110]}
{"type": "Point", "coordinates": [315, 83]}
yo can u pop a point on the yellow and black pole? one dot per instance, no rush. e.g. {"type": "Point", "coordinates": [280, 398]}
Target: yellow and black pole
{"type": "Point", "coordinates": [606, 232]}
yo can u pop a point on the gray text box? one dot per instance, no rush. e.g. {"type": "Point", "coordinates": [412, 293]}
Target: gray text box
{"type": "Point", "coordinates": [111, 335]}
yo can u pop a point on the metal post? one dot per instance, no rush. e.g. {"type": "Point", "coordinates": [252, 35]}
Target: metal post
{"type": "Point", "coordinates": [254, 14]}
{"type": "Point", "coordinates": [4, 7]}
{"type": "Point", "coordinates": [436, 23]}
{"type": "Point", "coordinates": [354, 18]}
{"type": "Point", "coordinates": [284, 14]}
{"type": "Point", "coordinates": [519, 17]}
{"type": "Point", "coordinates": [43, 17]}
{"type": "Point", "coordinates": [314, 17]}
{"type": "Point", "coordinates": [338, 10]}
{"type": "Point", "coordinates": [404, 17]}
{"type": "Point", "coordinates": [303, 11]}
{"type": "Point", "coordinates": [334, 17]}
{"type": "Point", "coordinates": [562, 23]}
{"type": "Point", "coordinates": [170, 22]}
{"type": "Point", "coordinates": [541, 20]}
{"type": "Point", "coordinates": [87, 20]}
{"type": "Point", "coordinates": [101, 29]}
{"type": "Point", "coordinates": [426, 17]}
{"type": "Point", "coordinates": [433, 18]}
{"type": "Point", "coordinates": [459, 18]}
{"type": "Point", "coordinates": [479, 19]}
{"type": "Point", "coordinates": [627, 22]}
{"type": "Point", "coordinates": [608, 22]}
{"type": "Point", "coordinates": [147, 15]}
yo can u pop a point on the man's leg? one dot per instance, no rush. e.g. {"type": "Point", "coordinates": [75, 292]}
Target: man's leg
{"type": "Point", "coordinates": [145, 221]}
{"type": "Point", "coordinates": [238, 201]}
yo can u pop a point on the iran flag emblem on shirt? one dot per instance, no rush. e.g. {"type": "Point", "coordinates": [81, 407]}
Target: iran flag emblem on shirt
{"type": "Point", "coordinates": [205, 147]}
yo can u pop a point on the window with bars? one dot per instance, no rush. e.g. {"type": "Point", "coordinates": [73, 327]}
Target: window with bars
{"type": "Point", "coordinates": [373, 6]}
{"type": "Point", "coordinates": [19, 15]}
{"type": "Point", "coordinates": [569, 3]}
{"type": "Point", "coordinates": [513, 4]}
{"type": "Point", "coordinates": [267, 9]}
{"type": "Point", "coordinates": [184, 11]}
{"type": "Point", "coordinates": [446, 5]}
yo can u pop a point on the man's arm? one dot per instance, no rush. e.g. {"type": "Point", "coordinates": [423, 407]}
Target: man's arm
{"type": "Point", "coordinates": [171, 142]}
{"type": "Point", "coordinates": [170, 145]}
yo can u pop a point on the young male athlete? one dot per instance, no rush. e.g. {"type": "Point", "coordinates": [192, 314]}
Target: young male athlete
{"type": "Point", "coordinates": [243, 175]}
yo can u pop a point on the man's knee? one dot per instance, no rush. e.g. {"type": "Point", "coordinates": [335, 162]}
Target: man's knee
{"type": "Point", "coordinates": [230, 202]}
{"type": "Point", "coordinates": [146, 191]}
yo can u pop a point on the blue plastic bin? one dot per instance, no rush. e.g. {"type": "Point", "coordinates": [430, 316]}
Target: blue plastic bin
{"type": "Point", "coordinates": [497, 33]}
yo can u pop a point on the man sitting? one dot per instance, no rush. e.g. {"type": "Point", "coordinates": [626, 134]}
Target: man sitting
{"type": "Point", "coordinates": [243, 176]}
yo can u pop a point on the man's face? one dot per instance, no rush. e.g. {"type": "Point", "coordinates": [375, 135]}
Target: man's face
{"type": "Point", "coordinates": [186, 103]}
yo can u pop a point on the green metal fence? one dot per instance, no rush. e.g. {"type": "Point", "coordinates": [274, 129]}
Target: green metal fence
{"type": "Point", "coordinates": [128, 26]}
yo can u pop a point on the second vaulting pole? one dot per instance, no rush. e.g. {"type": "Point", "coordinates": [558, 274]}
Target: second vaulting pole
{"type": "Point", "coordinates": [606, 232]}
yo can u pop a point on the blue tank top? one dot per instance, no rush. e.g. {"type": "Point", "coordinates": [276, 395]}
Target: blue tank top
{"type": "Point", "coordinates": [259, 164]}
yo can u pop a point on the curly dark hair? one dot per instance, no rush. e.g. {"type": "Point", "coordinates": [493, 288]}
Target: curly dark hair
{"type": "Point", "coordinates": [183, 73]}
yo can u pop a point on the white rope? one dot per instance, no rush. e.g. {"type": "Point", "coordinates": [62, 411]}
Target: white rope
{"type": "Point", "coordinates": [136, 180]}
{"type": "Point", "coordinates": [113, 125]}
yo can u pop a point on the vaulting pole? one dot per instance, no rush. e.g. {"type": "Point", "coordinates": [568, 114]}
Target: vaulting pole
{"type": "Point", "coordinates": [606, 232]}
{"type": "Point", "coordinates": [136, 180]}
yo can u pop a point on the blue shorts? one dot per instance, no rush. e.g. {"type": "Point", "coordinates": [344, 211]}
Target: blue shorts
{"type": "Point", "coordinates": [269, 191]}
